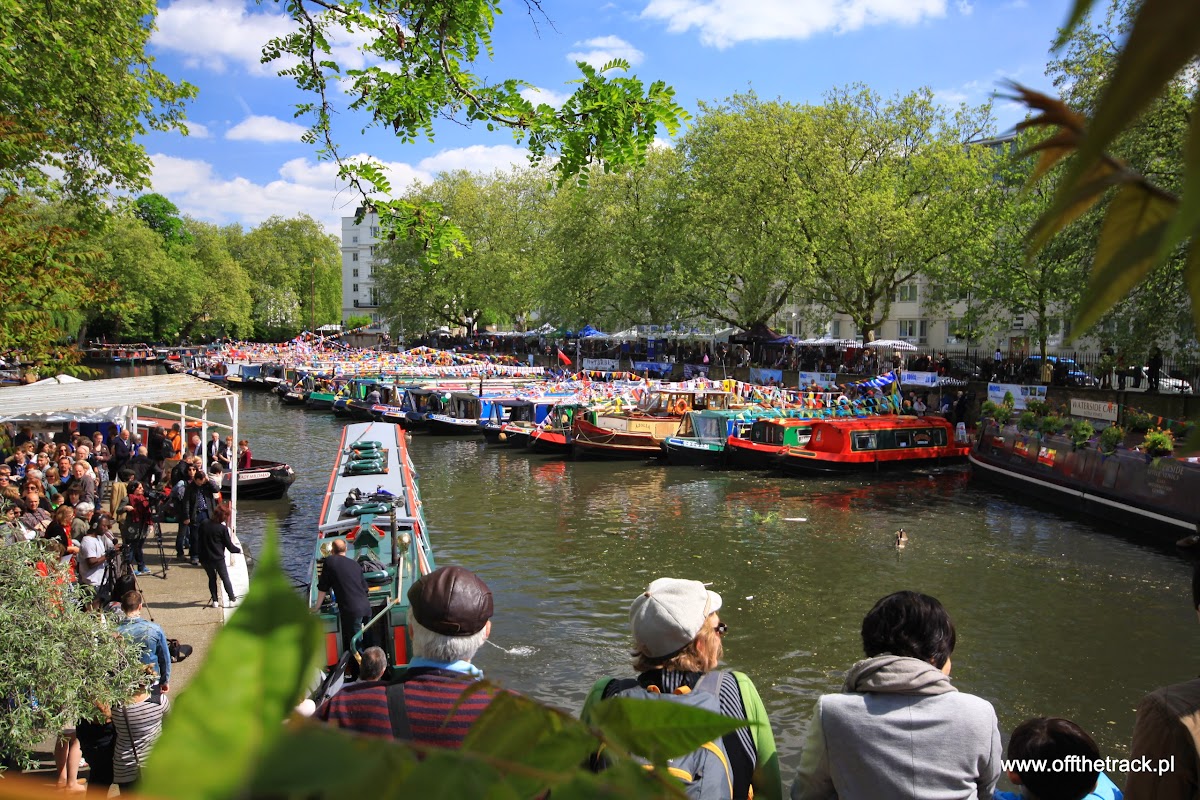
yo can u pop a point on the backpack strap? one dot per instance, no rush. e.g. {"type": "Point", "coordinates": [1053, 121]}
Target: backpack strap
{"type": "Point", "coordinates": [397, 710]}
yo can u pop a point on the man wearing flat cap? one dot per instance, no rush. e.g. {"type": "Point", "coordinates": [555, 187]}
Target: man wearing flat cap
{"type": "Point", "coordinates": [449, 619]}
{"type": "Point", "coordinates": [677, 637]}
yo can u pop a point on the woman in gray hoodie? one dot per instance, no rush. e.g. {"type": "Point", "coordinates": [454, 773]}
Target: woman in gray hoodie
{"type": "Point", "coordinates": [900, 729]}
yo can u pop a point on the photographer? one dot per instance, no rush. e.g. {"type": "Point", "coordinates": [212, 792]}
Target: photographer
{"type": "Point", "coordinates": [198, 505]}
{"type": "Point", "coordinates": [96, 550]}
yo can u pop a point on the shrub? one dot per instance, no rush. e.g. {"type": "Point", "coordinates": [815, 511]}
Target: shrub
{"type": "Point", "coordinates": [1050, 425]}
{"type": "Point", "coordinates": [1111, 438]}
{"type": "Point", "coordinates": [1028, 421]}
{"type": "Point", "coordinates": [1009, 400]}
{"type": "Point", "coordinates": [1038, 407]}
{"type": "Point", "coordinates": [1158, 442]}
{"type": "Point", "coordinates": [1137, 421]}
{"type": "Point", "coordinates": [1081, 432]}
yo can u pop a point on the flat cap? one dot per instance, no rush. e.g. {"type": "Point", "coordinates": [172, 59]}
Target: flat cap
{"type": "Point", "coordinates": [452, 601]}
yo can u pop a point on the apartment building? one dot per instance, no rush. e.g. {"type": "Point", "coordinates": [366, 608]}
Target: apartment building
{"type": "Point", "coordinates": [360, 295]}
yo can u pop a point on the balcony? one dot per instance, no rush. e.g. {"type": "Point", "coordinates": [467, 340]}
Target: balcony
{"type": "Point", "coordinates": [365, 304]}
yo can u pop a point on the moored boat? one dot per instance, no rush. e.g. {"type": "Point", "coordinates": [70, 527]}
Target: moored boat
{"type": "Point", "coordinates": [459, 417]}
{"type": "Point", "coordinates": [702, 436]}
{"type": "Point", "coordinates": [641, 431]}
{"type": "Point", "coordinates": [372, 503]}
{"type": "Point", "coordinates": [553, 436]}
{"type": "Point", "coordinates": [766, 439]}
{"type": "Point", "coordinates": [873, 443]}
{"type": "Point", "coordinates": [264, 480]}
{"type": "Point", "coordinates": [1156, 496]}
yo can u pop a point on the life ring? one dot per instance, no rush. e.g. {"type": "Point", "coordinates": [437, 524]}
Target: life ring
{"type": "Point", "coordinates": [680, 407]}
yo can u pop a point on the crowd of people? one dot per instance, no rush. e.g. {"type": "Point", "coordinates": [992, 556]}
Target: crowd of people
{"type": "Point", "coordinates": [899, 727]}
{"type": "Point", "coordinates": [92, 503]}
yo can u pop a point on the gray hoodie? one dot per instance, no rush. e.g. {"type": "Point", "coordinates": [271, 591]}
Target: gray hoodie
{"type": "Point", "coordinates": [899, 730]}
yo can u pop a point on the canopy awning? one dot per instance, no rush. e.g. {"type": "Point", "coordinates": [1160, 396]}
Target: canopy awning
{"type": "Point", "coordinates": [19, 402]}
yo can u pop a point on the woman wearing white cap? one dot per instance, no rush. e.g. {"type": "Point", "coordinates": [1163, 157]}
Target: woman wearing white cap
{"type": "Point", "coordinates": [677, 642]}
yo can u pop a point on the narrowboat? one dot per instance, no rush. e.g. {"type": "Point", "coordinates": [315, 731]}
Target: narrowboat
{"type": "Point", "coordinates": [372, 504]}
{"type": "Point", "coordinates": [321, 398]}
{"type": "Point", "coordinates": [874, 443]}
{"type": "Point", "coordinates": [1159, 497]}
{"type": "Point", "coordinates": [497, 413]}
{"type": "Point", "coordinates": [459, 417]}
{"type": "Point", "coordinates": [264, 480]}
{"type": "Point", "coordinates": [640, 432]}
{"type": "Point", "coordinates": [765, 440]}
{"type": "Point", "coordinates": [702, 436]}
{"type": "Point", "coordinates": [553, 436]}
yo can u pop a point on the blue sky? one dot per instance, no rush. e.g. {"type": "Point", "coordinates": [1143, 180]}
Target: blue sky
{"type": "Point", "coordinates": [244, 160]}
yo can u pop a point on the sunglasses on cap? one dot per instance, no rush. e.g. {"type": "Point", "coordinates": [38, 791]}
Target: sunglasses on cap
{"type": "Point", "coordinates": [721, 629]}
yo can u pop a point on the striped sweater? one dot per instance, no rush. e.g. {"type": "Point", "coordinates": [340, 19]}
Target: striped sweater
{"type": "Point", "coordinates": [429, 703]}
{"type": "Point", "coordinates": [138, 726]}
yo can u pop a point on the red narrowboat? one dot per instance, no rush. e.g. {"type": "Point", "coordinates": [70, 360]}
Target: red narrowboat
{"type": "Point", "coordinates": [766, 440]}
{"type": "Point", "coordinates": [875, 443]}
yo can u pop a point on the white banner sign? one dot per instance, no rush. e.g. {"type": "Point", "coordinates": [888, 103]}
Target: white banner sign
{"type": "Point", "coordinates": [607, 364]}
{"type": "Point", "coordinates": [1094, 409]}
{"type": "Point", "coordinates": [1021, 394]}
{"type": "Point", "coordinates": [918, 378]}
{"type": "Point", "coordinates": [819, 378]}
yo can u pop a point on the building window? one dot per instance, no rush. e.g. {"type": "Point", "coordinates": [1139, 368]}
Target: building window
{"type": "Point", "coordinates": [372, 250]}
{"type": "Point", "coordinates": [1018, 323]}
{"type": "Point", "coordinates": [355, 273]}
{"type": "Point", "coordinates": [914, 330]}
{"type": "Point", "coordinates": [374, 296]}
{"type": "Point", "coordinates": [354, 256]}
{"type": "Point", "coordinates": [354, 239]}
{"type": "Point", "coordinates": [354, 288]}
{"type": "Point", "coordinates": [906, 293]}
{"type": "Point", "coordinates": [835, 329]}
{"type": "Point", "coordinates": [374, 232]}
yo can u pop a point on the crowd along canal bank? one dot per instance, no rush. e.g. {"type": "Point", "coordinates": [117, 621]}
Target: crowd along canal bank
{"type": "Point", "coordinates": [1055, 615]}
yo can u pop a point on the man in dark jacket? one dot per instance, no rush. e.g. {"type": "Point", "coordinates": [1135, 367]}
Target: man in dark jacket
{"type": "Point", "coordinates": [198, 506]}
{"type": "Point", "coordinates": [344, 577]}
{"type": "Point", "coordinates": [145, 469]}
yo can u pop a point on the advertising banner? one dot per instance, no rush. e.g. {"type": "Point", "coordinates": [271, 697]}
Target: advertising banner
{"type": "Point", "coordinates": [606, 364]}
{"type": "Point", "coordinates": [653, 366]}
{"type": "Point", "coordinates": [918, 378]}
{"type": "Point", "coordinates": [692, 370]}
{"type": "Point", "coordinates": [819, 378]}
{"type": "Point", "coordinates": [1021, 394]}
{"type": "Point", "coordinates": [762, 375]}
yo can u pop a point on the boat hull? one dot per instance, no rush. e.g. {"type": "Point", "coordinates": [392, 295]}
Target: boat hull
{"type": "Point", "coordinates": [791, 463]}
{"type": "Point", "coordinates": [1160, 498]}
{"type": "Point", "coordinates": [440, 425]}
{"type": "Point", "coordinates": [557, 443]}
{"type": "Point", "coordinates": [751, 455]}
{"type": "Point", "coordinates": [595, 441]}
{"type": "Point", "coordinates": [683, 452]}
{"type": "Point", "coordinates": [265, 480]}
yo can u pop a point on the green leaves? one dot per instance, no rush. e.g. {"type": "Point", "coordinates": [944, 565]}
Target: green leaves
{"type": "Point", "coordinates": [658, 731]}
{"type": "Point", "coordinates": [258, 669]}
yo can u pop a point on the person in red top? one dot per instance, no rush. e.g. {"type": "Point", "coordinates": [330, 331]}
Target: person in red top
{"type": "Point", "coordinates": [449, 618]}
{"type": "Point", "coordinates": [244, 455]}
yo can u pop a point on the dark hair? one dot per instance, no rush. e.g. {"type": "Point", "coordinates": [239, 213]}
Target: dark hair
{"type": "Point", "coordinates": [125, 475]}
{"type": "Point", "coordinates": [909, 624]}
{"type": "Point", "coordinates": [221, 514]}
{"type": "Point", "coordinates": [131, 601]}
{"type": "Point", "coordinates": [1048, 739]}
{"type": "Point", "coordinates": [374, 663]}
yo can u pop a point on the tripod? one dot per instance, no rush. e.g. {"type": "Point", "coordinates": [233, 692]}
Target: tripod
{"type": "Point", "coordinates": [141, 531]}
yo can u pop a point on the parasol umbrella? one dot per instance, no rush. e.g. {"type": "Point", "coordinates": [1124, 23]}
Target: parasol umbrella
{"type": "Point", "coordinates": [892, 344]}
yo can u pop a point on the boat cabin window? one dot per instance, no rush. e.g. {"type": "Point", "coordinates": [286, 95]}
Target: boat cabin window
{"type": "Point", "coordinates": [865, 440]}
{"type": "Point", "coordinates": [898, 439]}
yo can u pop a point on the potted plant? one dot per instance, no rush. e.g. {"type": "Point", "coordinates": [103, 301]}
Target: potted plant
{"type": "Point", "coordinates": [1137, 421]}
{"type": "Point", "coordinates": [1158, 443]}
{"type": "Point", "coordinates": [1050, 425]}
{"type": "Point", "coordinates": [1111, 438]}
{"type": "Point", "coordinates": [1081, 433]}
{"type": "Point", "coordinates": [1027, 421]}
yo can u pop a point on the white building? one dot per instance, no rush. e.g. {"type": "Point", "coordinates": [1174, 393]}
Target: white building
{"type": "Point", "coordinates": [359, 293]}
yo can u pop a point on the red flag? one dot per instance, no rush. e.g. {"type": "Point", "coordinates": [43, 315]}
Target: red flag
{"type": "Point", "coordinates": [563, 357]}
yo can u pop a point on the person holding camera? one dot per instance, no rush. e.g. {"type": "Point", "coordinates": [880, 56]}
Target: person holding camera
{"type": "Point", "coordinates": [199, 503]}
{"type": "Point", "coordinates": [97, 548]}
{"type": "Point", "coordinates": [138, 518]}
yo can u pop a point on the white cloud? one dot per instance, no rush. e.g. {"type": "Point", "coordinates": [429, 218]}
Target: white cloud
{"type": "Point", "coordinates": [974, 92]}
{"type": "Point", "coordinates": [964, 7]}
{"type": "Point", "coordinates": [476, 158]}
{"type": "Point", "coordinates": [602, 49]}
{"type": "Point", "coordinates": [216, 33]}
{"type": "Point", "coordinates": [196, 130]}
{"type": "Point", "coordinates": [722, 23]}
{"type": "Point", "coordinates": [537, 95]}
{"type": "Point", "coordinates": [265, 129]}
{"type": "Point", "coordinates": [303, 186]}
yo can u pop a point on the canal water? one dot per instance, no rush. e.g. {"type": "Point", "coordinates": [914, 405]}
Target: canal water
{"type": "Point", "coordinates": [1055, 616]}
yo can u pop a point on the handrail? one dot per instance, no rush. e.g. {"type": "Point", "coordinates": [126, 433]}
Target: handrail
{"type": "Point", "coordinates": [358, 636]}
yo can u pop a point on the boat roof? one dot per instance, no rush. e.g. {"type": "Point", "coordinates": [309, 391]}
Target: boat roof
{"type": "Point", "coordinates": [341, 484]}
{"type": "Point", "coordinates": [886, 422]}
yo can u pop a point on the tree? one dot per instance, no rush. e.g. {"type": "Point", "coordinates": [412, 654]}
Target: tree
{"type": "Point", "coordinates": [77, 89]}
{"type": "Point", "coordinates": [890, 191]}
{"type": "Point", "coordinates": [162, 217]}
{"type": "Point", "coordinates": [422, 52]}
{"type": "Point", "coordinates": [46, 283]}
{"type": "Point", "coordinates": [1045, 287]}
{"type": "Point", "coordinates": [499, 215]}
{"type": "Point", "coordinates": [56, 662]}
{"type": "Point", "coordinates": [746, 253]}
{"type": "Point", "coordinates": [295, 274]}
{"type": "Point", "coordinates": [615, 248]}
{"type": "Point", "coordinates": [148, 303]}
{"type": "Point", "coordinates": [1150, 219]}
{"type": "Point", "coordinates": [214, 286]}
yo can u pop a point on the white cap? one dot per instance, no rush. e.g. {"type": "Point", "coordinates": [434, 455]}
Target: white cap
{"type": "Point", "coordinates": [669, 615]}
